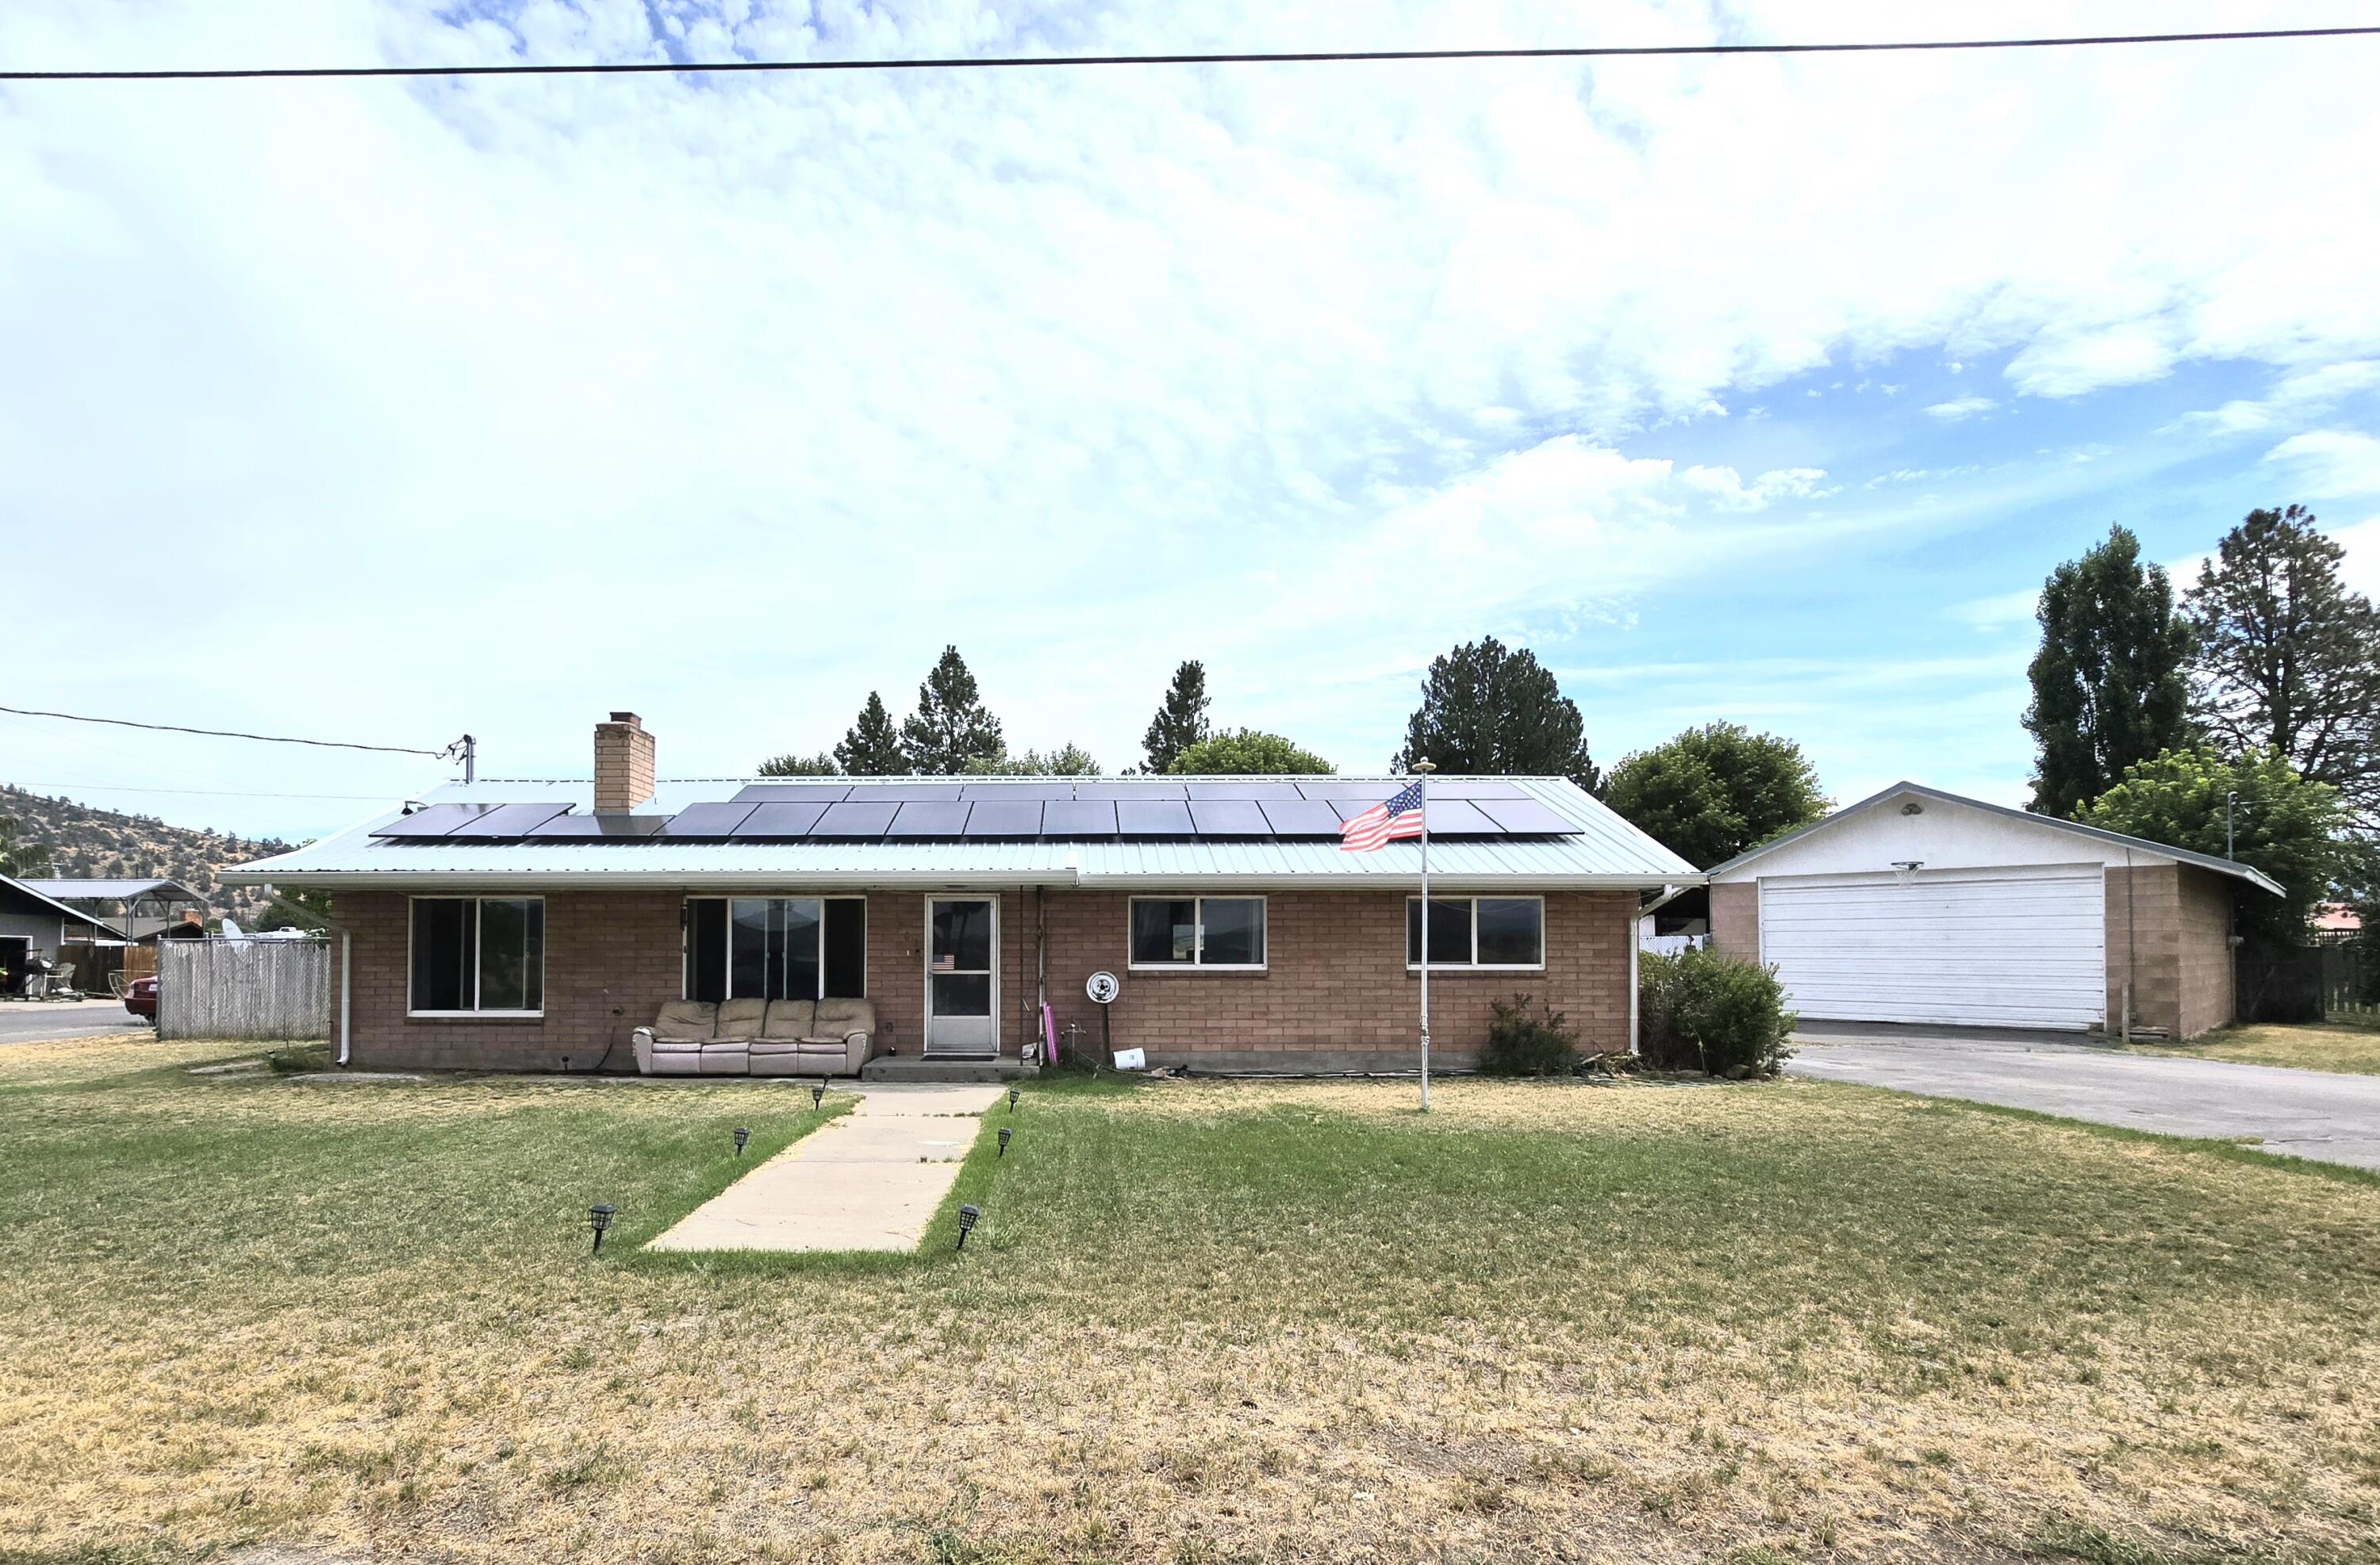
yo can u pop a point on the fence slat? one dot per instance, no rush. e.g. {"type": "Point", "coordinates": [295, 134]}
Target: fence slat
{"type": "Point", "coordinates": [243, 990]}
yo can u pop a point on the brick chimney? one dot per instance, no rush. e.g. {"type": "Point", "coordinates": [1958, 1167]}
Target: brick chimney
{"type": "Point", "coordinates": [623, 764]}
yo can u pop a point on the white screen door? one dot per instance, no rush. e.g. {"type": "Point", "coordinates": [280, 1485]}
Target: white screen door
{"type": "Point", "coordinates": [962, 985]}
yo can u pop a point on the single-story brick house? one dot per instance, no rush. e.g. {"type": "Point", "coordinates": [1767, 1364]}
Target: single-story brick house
{"type": "Point", "coordinates": [1915, 905]}
{"type": "Point", "coordinates": [517, 925]}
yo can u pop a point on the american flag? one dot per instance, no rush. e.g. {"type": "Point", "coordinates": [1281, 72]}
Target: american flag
{"type": "Point", "coordinates": [1399, 817]}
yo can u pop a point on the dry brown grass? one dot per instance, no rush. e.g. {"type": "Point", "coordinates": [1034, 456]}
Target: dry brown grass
{"type": "Point", "coordinates": [2355, 1050]}
{"type": "Point", "coordinates": [1204, 1322]}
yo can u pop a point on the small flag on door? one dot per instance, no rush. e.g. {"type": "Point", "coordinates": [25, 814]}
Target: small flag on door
{"type": "Point", "coordinates": [1398, 819]}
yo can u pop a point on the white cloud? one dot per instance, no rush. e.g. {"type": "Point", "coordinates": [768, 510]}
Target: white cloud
{"type": "Point", "coordinates": [2292, 398]}
{"type": "Point", "coordinates": [2329, 464]}
{"type": "Point", "coordinates": [1999, 609]}
{"type": "Point", "coordinates": [1727, 489]}
{"type": "Point", "coordinates": [2360, 569]}
{"type": "Point", "coordinates": [1961, 407]}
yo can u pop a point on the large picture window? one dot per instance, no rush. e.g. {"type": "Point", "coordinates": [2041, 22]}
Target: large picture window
{"type": "Point", "coordinates": [477, 955]}
{"type": "Point", "coordinates": [1199, 932]}
{"type": "Point", "coordinates": [776, 948]}
{"type": "Point", "coordinates": [1479, 932]}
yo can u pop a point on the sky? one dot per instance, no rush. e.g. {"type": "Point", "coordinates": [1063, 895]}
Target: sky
{"type": "Point", "coordinates": [1754, 389]}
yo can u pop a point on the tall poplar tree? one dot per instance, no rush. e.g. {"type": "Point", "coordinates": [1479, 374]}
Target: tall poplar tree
{"type": "Point", "coordinates": [2110, 683]}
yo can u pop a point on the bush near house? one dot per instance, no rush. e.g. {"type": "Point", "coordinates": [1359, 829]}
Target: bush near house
{"type": "Point", "coordinates": [1525, 1043]}
{"type": "Point", "coordinates": [1701, 1011]}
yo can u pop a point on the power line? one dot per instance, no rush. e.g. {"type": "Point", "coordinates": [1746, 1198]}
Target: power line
{"type": "Point", "coordinates": [1316, 56]}
{"type": "Point", "coordinates": [228, 734]}
{"type": "Point", "coordinates": [204, 793]}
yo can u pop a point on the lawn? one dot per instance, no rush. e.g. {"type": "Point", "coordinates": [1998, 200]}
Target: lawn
{"type": "Point", "coordinates": [2335, 1047]}
{"type": "Point", "coordinates": [1202, 1322]}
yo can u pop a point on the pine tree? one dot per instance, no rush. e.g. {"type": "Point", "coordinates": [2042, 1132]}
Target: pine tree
{"type": "Point", "coordinates": [2289, 660]}
{"type": "Point", "coordinates": [950, 727]}
{"type": "Point", "coordinates": [1489, 711]}
{"type": "Point", "coordinates": [872, 748]}
{"type": "Point", "coordinates": [2109, 685]}
{"type": "Point", "coordinates": [1181, 721]}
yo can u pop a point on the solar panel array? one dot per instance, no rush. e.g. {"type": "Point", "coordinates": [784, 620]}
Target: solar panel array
{"type": "Point", "coordinates": [1136, 808]}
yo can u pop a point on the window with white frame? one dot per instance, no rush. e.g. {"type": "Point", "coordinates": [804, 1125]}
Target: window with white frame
{"type": "Point", "coordinates": [776, 948]}
{"type": "Point", "coordinates": [1479, 932]}
{"type": "Point", "coordinates": [477, 956]}
{"type": "Point", "coordinates": [1220, 932]}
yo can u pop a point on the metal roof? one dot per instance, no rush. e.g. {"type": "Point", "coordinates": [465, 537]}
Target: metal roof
{"type": "Point", "coordinates": [77, 914]}
{"type": "Point", "coordinates": [1602, 851]}
{"type": "Point", "coordinates": [108, 891]}
{"type": "Point", "coordinates": [2249, 873]}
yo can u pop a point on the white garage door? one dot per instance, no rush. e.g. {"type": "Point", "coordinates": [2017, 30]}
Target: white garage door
{"type": "Point", "coordinates": [2006, 948]}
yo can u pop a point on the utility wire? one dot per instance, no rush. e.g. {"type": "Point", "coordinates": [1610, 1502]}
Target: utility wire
{"type": "Point", "coordinates": [36, 789]}
{"type": "Point", "coordinates": [1317, 56]}
{"type": "Point", "coordinates": [228, 734]}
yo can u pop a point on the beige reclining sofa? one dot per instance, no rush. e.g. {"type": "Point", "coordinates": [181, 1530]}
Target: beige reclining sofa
{"type": "Point", "coordinates": [758, 1037]}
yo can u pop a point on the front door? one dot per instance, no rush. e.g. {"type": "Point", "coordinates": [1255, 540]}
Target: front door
{"type": "Point", "coordinates": [962, 982]}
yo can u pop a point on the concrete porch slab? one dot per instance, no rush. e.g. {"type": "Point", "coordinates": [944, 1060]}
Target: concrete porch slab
{"type": "Point", "coordinates": [868, 1181]}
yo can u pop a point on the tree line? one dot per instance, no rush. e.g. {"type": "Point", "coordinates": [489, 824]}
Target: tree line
{"type": "Point", "coordinates": [2236, 717]}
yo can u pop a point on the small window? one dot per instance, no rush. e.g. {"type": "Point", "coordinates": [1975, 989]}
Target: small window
{"type": "Point", "coordinates": [474, 954]}
{"type": "Point", "coordinates": [1199, 932]}
{"type": "Point", "coordinates": [1479, 932]}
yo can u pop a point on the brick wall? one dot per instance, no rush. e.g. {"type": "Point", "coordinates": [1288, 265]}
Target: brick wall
{"type": "Point", "coordinates": [2169, 936]}
{"type": "Point", "coordinates": [624, 763]}
{"type": "Point", "coordinates": [1735, 919]}
{"type": "Point", "coordinates": [1335, 995]}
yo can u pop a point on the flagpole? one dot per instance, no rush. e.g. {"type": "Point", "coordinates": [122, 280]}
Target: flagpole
{"type": "Point", "coordinates": [1424, 769]}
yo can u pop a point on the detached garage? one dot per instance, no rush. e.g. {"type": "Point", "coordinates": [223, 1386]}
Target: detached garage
{"type": "Point", "coordinates": [1920, 906]}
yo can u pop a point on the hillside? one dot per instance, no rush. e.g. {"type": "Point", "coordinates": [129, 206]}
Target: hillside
{"type": "Point", "coordinates": [83, 842]}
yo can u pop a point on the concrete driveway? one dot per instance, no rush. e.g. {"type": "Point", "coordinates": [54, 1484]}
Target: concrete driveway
{"type": "Point", "coordinates": [2313, 1114]}
{"type": "Point", "coordinates": [47, 1021]}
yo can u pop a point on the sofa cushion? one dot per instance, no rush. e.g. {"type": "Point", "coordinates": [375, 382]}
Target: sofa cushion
{"type": "Point", "coordinates": [740, 1019]}
{"type": "Point", "coordinates": [788, 1019]}
{"type": "Point", "coordinates": [679, 1045]}
{"type": "Point", "coordinates": [839, 1019]}
{"type": "Point", "coordinates": [686, 1018]}
{"type": "Point", "coordinates": [725, 1060]}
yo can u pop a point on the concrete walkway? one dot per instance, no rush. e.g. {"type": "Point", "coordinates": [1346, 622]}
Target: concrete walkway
{"type": "Point", "coordinates": [868, 1181]}
{"type": "Point", "coordinates": [2333, 1119]}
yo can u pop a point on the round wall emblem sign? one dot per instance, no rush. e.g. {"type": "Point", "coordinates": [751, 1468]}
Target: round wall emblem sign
{"type": "Point", "coordinates": [1103, 987]}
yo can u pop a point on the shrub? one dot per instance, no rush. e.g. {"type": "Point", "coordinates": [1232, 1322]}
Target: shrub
{"type": "Point", "coordinates": [1522, 1043]}
{"type": "Point", "coordinates": [1700, 1011]}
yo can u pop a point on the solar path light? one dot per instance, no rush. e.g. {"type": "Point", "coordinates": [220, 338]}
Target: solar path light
{"type": "Point", "coordinates": [817, 1094]}
{"type": "Point", "coordinates": [968, 1217]}
{"type": "Point", "coordinates": [599, 1218]}
{"type": "Point", "coordinates": [1004, 1133]}
{"type": "Point", "coordinates": [1011, 1100]}
{"type": "Point", "coordinates": [742, 1136]}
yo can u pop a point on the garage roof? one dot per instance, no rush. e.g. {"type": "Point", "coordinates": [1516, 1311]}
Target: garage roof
{"type": "Point", "coordinates": [2254, 877]}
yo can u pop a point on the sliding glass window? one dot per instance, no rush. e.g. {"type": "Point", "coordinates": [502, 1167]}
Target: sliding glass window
{"type": "Point", "coordinates": [471, 955]}
{"type": "Point", "coordinates": [776, 948]}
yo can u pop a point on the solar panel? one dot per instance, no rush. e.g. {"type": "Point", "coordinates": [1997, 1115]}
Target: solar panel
{"type": "Point", "coordinates": [1527, 817]}
{"type": "Point", "coordinates": [432, 820]}
{"type": "Point", "coordinates": [905, 793]}
{"type": "Point", "coordinates": [1036, 791]}
{"type": "Point", "coordinates": [1371, 792]}
{"type": "Point", "coordinates": [706, 821]}
{"type": "Point", "coordinates": [931, 820]}
{"type": "Point", "coordinates": [1131, 788]}
{"type": "Point", "coordinates": [848, 819]}
{"type": "Point", "coordinates": [1229, 818]}
{"type": "Point", "coordinates": [1078, 819]}
{"type": "Point", "coordinates": [611, 826]}
{"type": "Point", "coordinates": [1226, 788]}
{"type": "Point", "coordinates": [1005, 817]}
{"type": "Point", "coordinates": [1301, 818]}
{"type": "Point", "coordinates": [783, 820]}
{"type": "Point", "coordinates": [505, 820]}
{"type": "Point", "coordinates": [791, 793]}
{"type": "Point", "coordinates": [1475, 788]}
{"type": "Point", "coordinates": [1458, 817]}
{"type": "Point", "coordinates": [1153, 818]}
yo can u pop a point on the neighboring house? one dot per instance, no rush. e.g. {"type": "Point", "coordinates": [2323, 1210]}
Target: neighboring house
{"type": "Point", "coordinates": [2336, 921]}
{"type": "Point", "coordinates": [138, 909]}
{"type": "Point", "coordinates": [1917, 905]}
{"type": "Point", "coordinates": [510, 923]}
{"type": "Point", "coordinates": [35, 925]}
